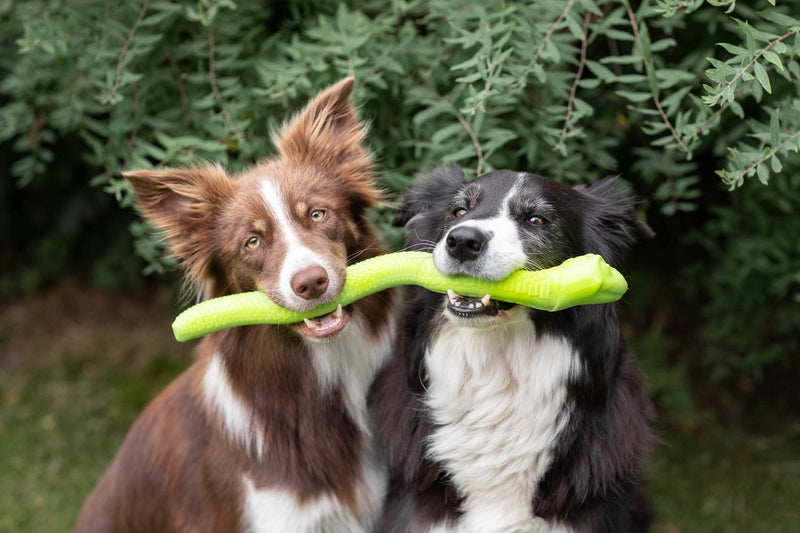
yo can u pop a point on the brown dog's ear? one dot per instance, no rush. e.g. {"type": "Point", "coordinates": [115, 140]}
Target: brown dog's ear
{"type": "Point", "coordinates": [182, 203]}
{"type": "Point", "coordinates": [328, 134]}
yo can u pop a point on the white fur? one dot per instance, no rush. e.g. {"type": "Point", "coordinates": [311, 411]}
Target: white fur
{"type": "Point", "coordinates": [269, 510]}
{"type": "Point", "coordinates": [298, 256]}
{"type": "Point", "coordinates": [351, 360]}
{"type": "Point", "coordinates": [498, 396]}
{"type": "Point", "coordinates": [236, 416]}
{"type": "Point", "coordinates": [504, 252]}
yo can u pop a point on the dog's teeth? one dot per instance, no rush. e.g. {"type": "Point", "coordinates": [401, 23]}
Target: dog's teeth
{"type": "Point", "coordinates": [451, 295]}
{"type": "Point", "coordinates": [486, 299]}
{"type": "Point", "coordinates": [338, 312]}
{"type": "Point", "coordinates": [472, 306]}
{"type": "Point", "coordinates": [309, 323]}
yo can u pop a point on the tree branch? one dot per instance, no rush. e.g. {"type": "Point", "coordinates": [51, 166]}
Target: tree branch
{"type": "Point", "coordinates": [772, 152]}
{"type": "Point", "coordinates": [586, 19]}
{"type": "Point", "coordinates": [475, 141]}
{"type": "Point", "coordinates": [121, 58]}
{"type": "Point", "coordinates": [750, 64]}
{"type": "Point", "coordinates": [655, 98]}
{"type": "Point", "coordinates": [213, 77]}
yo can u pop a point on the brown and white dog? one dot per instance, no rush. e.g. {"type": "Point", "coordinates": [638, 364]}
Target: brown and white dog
{"type": "Point", "coordinates": [267, 430]}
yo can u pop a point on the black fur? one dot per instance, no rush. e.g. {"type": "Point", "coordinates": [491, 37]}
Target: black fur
{"type": "Point", "coordinates": [593, 482]}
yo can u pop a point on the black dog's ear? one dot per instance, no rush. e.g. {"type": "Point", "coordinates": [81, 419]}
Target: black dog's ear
{"type": "Point", "coordinates": [426, 203]}
{"type": "Point", "coordinates": [437, 186]}
{"type": "Point", "coordinates": [612, 224]}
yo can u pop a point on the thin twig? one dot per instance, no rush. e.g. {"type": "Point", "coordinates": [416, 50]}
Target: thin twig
{"type": "Point", "coordinates": [124, 51]}
{"type": "Point", "coordinates": [487, 85]}
{"type": "Point", "coordinates": [570, 104]}
{"type": "Point", "coordinates": [766, 157]}
{"type": "Point", "coordinates": [181, 87]}
{"type": "Point", "coordinates": [679, 7]}
{"type": "Point", "coordinates": [655, 98]}
{"type": "Point", "coordinates": [303, 74]}
{"type": "Point", "coordinates": [722, 108]}
{"type": "Point", "coordinates": [213, 77]}
{"type": "Point", "coordinates": [179, 153]}
{"type": "Point", "coordinates": [759, 54]}
{"type": "Point", "coordinates": [471, 133]}
{"type": "Point", "coordinates": [135, 132]}
{"type": "Point", "coordinates": [539, 50]}
{"type": "Point", "coordinates": [205, 13]}
{"type": "Point", "coordinates": [550, 32]}
{"type": "Point", "coordinates": [475, 141]}
{"type": "Point", "coordinates": [102, 42]}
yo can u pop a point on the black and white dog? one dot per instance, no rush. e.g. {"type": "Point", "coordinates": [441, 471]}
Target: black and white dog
{"type": "Point", "coordinates": [496, 417]}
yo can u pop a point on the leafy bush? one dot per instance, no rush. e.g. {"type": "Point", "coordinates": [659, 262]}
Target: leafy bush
{"type": "Point", "coordinates": [663, 92]}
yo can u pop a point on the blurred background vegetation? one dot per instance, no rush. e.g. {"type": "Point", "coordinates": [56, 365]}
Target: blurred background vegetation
{"type": "Point", "coordinates": [696, 104]}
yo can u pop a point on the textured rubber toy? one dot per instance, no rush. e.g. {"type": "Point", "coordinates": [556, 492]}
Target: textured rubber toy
{"type": "Point", "coordinates": [581, 280]}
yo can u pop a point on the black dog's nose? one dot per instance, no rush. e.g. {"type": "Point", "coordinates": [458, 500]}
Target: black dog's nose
{"type": "Point", "coordinates": [465, 243]}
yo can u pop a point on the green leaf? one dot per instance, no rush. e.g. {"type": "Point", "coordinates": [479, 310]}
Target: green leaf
{"type": "Point", "coordinates": [774, 127]}
{"type": "Point", "coordinates": [735, 50]}
{"type": "Point", "coordinates": [574, 26]}
{"type": "Point", "coordinates": [736, 108]}
{"type": "Point", "coordinates": [779, 18]}
{"type": "Point", "coordinates": [762, 76]}
{"type": "Point", "coordinates": [763, 173]}
{"type": "Point", "coordinates": [775, 163]}
{"type": "Point", "coordinates": [633, 96]}
{"type": "Point", "coordinates": [601, 71]}
{"type": "Point", "coordinates": [773, 58]}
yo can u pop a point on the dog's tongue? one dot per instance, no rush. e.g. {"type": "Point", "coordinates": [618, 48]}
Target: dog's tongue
{"type": "Point", "coordinates": [324, 325]}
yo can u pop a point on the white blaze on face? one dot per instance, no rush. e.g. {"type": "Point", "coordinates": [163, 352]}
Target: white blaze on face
{"type": "Point", "coordinates": [298, 256]}
{"type": "Point", "coordinates": [503, 254]}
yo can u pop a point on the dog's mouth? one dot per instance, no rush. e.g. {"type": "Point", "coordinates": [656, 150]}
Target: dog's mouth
{"type": "Point", "coordinates": [468, 307]}
{"type": "Point", "coordinates": [325, 326]}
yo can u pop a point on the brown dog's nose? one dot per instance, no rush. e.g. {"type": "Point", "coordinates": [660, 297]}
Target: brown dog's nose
{"type": "Point", "coordinates": [310, 282]}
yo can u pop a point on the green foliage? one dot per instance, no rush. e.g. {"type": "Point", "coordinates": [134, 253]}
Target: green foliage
{"type": "Point", "coordinates": [665, 92]}
{"type": "Point", "coordinates": [753, 291]}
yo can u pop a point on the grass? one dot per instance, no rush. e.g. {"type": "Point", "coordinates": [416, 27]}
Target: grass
{"type": "Point", "coordinates": [77, 366]}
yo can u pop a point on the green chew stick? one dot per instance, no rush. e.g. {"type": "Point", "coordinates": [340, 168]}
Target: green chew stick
{"type": "Point", "coordinates": [582, 280]}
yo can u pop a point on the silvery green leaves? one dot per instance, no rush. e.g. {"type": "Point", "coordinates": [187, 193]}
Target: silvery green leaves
{"type": "Point", "coordinates": [761, 51]}
{"type": "Point", "coordinates": [766, 56]}
{"type": "Point", "coordinates": [778, 136]}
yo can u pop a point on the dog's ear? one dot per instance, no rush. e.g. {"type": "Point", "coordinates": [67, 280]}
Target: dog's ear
{"type": "Point", "coordinates": [612, 224]}
{"type": "Point", "coordinates": [182, 203]}
{"type": "Point", "coordinates": [328, 134]}
{"type": "Point", "coordinates": [426, 203]}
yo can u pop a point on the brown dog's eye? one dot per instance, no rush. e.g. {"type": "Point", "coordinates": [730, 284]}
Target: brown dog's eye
{"type": "Point", "coordinates": [253, 242]}
{"type": "Point", "coordinates": [459, 212]}
{"type": "Point", "coordinates": [536, 220]}
{"type": "Point", "coordinates": [317, 215]}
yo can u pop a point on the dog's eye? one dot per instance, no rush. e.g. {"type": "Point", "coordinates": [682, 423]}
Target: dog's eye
{"type": "Point", "coordinates": [317, 215]}
{"type": "Point", "coordinates": [459, 212]}
{"type": "Point", "coordinates": [253, 243]}
{"type": "Point", "coordinates": [536, 220]}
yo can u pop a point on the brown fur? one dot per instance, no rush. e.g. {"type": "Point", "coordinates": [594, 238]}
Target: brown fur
{"type": "Point", "coordinates": [178, 470]}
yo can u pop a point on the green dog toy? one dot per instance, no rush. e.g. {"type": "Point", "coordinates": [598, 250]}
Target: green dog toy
{"type": "Point", "coordinates": [582, 280]}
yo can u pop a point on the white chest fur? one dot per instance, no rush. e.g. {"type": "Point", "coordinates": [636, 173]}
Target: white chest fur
{"type": "Point", "coordinates": [349, 361]}
{"type": "Point", "coordinates": [268, 511]}
{"type": "Point", "coordinates": [499, 398]}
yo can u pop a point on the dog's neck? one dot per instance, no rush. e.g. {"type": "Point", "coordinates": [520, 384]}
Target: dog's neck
{"type": "Point", "coordinates": [261, 380]}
